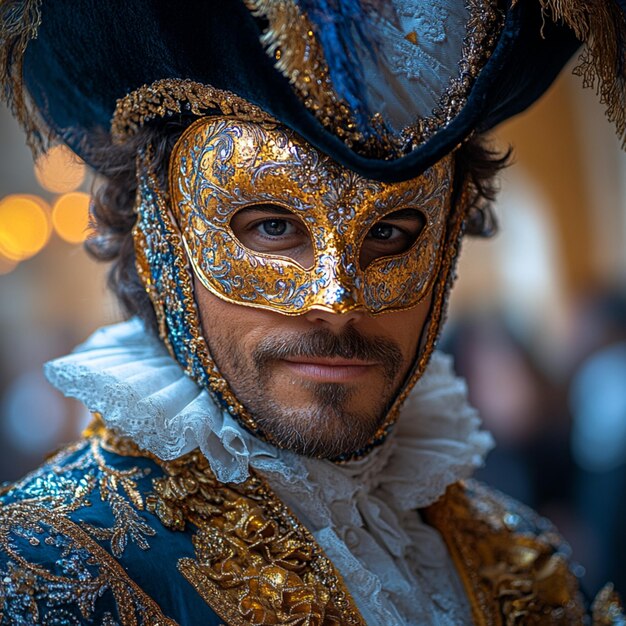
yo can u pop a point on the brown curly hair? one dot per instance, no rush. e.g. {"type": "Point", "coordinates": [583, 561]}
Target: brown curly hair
{"type": "Point", "coordinates": [113, 204]}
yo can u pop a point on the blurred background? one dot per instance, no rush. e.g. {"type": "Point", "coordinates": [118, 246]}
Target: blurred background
{"type": "Point", "coordinates": [537, 322]}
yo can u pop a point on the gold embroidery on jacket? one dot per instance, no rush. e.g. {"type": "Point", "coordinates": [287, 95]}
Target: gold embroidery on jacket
{"type": "Point", "coordinates": [254, 562]}
{"type": "Point", "coordinates": [29, 581]}
{"type": "Point", "coordinates": [83, 571]}
{"type": "Point", "coordinates": [119, 489]}
{"type": "Point", "coordinates": [513, 571]}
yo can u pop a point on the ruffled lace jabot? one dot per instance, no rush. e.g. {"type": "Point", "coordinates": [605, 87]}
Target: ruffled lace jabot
{"type": "Point", "coordinates": [362, 513]}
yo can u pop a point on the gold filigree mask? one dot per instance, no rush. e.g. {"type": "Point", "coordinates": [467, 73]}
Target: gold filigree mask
{"type": "Point", "coordinates": [335, 240]}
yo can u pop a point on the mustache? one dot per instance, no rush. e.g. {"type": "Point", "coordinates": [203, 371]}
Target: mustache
{"type": "Point", "coordinates": [322, 343]}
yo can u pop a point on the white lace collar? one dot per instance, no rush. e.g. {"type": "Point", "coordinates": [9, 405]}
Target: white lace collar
{"type": "Point", "coordinates": [128, 377]}
{"type": "Point", "coordinates": [362, 513]}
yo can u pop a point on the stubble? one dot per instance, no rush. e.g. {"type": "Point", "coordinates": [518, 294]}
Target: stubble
{"type": "Point", "coordinates": [326, 427]}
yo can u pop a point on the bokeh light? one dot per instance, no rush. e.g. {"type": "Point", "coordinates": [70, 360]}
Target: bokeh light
{"type": "Point", "coordinates": [70, 216]}
{"type": "Point", "coordinates": [24, 226]}
{"type": "Point", "coordinates": [59, 170]}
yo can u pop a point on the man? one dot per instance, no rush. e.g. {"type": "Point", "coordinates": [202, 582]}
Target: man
{"type": "Point", "coordinates": [275, 441]}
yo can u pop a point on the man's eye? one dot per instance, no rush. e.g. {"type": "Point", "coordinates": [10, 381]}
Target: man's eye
{"type": "Point", "coordinates": [395, 235]}
{"type": "Point", "coordinates": [271, 229]}
{"type": "Point", "coordinates": [275, 228]}
{"type": "Point", "coordinates": [383, 232]}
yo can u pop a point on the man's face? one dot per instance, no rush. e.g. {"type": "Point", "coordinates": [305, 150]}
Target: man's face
{"type": "Point", "coordinates": [318, 383]}
{"type": "Point", "coordinates": [313, 283]}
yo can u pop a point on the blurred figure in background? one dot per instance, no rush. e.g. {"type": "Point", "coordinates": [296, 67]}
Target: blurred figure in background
{"type": "Point", "coordinates": [522, 408]}
{"type": "Point", "coordinates": [597, 397]}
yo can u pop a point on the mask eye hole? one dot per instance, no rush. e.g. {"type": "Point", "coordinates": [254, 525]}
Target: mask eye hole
{"type": "Point", "coordinates": [275, 230]}
{"type": "Point", "coordinates": [393, 234]}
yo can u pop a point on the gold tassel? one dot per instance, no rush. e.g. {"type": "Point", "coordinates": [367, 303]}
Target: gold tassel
{"type": "Point", "coordinates": [291, 41]}
{"type": "Point", "coordinates": [602, 26]}
{"type": "Point", "coordinates": [19, 22]}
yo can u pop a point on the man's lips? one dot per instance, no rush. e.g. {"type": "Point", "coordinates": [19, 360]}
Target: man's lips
{"type": "Point", "coordinates": [333, 370]}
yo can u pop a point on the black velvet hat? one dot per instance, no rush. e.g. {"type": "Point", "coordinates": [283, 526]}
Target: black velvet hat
{"type": "Point", "coordinates": [384, 87]}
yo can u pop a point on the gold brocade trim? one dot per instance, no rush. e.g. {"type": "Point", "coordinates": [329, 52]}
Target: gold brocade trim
{"type": "Point", "coordinates": [134, 606]}
{"type": "Point", "coordinates": [291, 41]}
{"type": "Point", "coordinates": [510, 566]}
{"type": "Point", "coordinates": [607, 609]}
{"type": "Point", "coordinates": [602, 64]}
{"type": "Point", "coordinates": [174, 95]}
{"type": "Point", "coordinates": [254, 561]}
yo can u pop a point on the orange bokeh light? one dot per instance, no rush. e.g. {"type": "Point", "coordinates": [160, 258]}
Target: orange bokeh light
{"type": "Point", "coordinates": [70, 216]}
{"type": "Point", "coordinates": [24, 226]}
{"type": "Point", "coordinates": [59, 170]}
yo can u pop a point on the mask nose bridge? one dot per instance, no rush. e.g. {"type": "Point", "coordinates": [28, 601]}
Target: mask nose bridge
{"type": "Point", "coordinates": [339, 277]}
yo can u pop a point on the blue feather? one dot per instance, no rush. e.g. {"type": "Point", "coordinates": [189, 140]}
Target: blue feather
{"type": "Point", "coordinates": [341, 29]}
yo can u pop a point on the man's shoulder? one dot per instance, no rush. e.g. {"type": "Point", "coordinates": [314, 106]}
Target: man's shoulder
{"type": "Point", "coordinates": [63, 530]}
{"type": "Point", "coordinates": [513, 560]}
{"type": "Point", "coordinates": [478, 508]}
{"type": "Point", "coordinates": [81, 542]}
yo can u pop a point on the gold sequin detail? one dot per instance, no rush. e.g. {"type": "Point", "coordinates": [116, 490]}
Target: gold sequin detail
{"type": "Point", "coordinates": [513, 574]}
{"type": "Point", "coordinates": [602, 63]}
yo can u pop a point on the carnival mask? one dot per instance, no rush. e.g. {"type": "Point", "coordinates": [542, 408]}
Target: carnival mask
{"type": "Point", "coordinates": [336, 241]}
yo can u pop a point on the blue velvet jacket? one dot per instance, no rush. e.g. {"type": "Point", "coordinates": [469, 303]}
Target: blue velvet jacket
{"type": "Point", "coordinates": [104, 533]}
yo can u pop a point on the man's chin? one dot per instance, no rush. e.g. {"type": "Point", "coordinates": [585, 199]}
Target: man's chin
{"type": "Point", "coordinates": [322, 430]}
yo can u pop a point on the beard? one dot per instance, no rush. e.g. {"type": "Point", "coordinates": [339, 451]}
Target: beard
{"type": "Point", "coordinates": [326, 426]}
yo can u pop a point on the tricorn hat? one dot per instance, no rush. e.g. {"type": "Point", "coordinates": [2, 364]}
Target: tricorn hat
{"type": "Point", "coordinates": [386, 88]}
